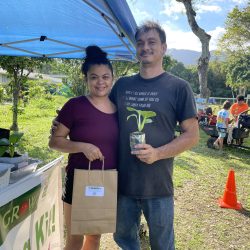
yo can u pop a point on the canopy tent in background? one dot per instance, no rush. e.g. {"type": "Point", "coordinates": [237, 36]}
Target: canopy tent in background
{"type": "Point", "coordinates": [64, 28]}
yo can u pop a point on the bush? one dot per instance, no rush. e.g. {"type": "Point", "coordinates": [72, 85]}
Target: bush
{"type": "Point", "coordinates": [36, 91]}
{"type": "Point", "coordinates": [1, 94]}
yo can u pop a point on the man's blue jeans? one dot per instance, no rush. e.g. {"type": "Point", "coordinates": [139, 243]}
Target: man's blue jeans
{"type": "Point", "coordinates": [159, 214]}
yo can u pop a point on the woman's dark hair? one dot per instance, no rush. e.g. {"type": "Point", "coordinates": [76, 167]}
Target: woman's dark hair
{"type": "Point", "coordinates": [95, 56]}
{"type": "Point", "coordinates": [226, 105]}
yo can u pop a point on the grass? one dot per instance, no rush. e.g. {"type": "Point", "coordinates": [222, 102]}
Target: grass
{"type": "Point", "coordinates": [200, 176]}
{"type": "Point", "coordinates": [35, 121]}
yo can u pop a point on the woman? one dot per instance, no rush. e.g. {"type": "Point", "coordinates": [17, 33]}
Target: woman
{"type": "Point", "coordinates": [91, 124]}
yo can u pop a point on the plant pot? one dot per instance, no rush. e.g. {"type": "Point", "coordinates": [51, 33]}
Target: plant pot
{"type": "Point", "coordinates": [4, 133]}
{"type": "Point", "coordinates": [17, 160]}
{"type": "Point", "coordinates": [21, 172]}
{"type": "Point", "coordinates": [5, 174]}
{"type": "Point", "coordinates": [136, 138]}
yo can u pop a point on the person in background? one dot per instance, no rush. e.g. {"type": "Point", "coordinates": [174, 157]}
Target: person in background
{"type": "Point", "coordinates": [222, 124]}
{"type": "Point", "coordinates": [145, 175]}
{"type": "Point", "coordinates": [91, 124]}
{"type": "Point", "coordinates": [239, 107]}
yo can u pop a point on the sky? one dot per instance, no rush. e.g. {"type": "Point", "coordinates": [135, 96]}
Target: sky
{"type": "Point", "coordinates": [210, 16]}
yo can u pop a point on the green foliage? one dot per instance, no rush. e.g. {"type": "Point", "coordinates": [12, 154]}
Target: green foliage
{"type": "Point", "coordinates": [35, 122]}
{"type": "Point", "coordinates": [123, 68]}
{"type": "Point", "coordinates": [142, 117]}
{"type": "Point", "coordinates": [237, 68]}
{"type": "Point", "coordinates": [189, 74]}
{"type": "Point", "coordinates": [1, 94]}
{"type": "Point", "coordinates": [9, 145]}
{"type": "Point", "coordinates": [237, 35]}
{"type": "Point", "coordinates": [73, 76]}
{"type": "Point", "coordinates": [42, 87]}
{"type": "Point", "coordinates": [235, 44]}
{"type": "Point", "coordinates": [168, 62]}
{"type": "Point", "coordinates": [193, 79]}
{"type": "Point", "coordinates": [18, 69]}
{"type": "Point", "coordinates": [217, 80]}
{"type": "Point", "coordinates": [36, 91]}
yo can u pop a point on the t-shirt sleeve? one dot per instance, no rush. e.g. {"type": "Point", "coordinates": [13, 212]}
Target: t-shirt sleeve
{"type": "Point", "coordinates": [186, 107]}
{"type": "Point", "coordinates": [66, 114]}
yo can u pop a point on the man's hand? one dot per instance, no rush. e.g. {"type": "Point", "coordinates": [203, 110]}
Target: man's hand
{"type": "Point", "coordinates": [146, 153]}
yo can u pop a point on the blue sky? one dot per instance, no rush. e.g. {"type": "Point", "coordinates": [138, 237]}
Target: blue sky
{"type": "Point", "coordinates": [211, 15]}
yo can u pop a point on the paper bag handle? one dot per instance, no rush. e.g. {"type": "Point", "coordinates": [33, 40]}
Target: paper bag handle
{"type": "Point", "coordinates": [102, 164]}
{"type": "Point", "coordinates": [102, 171]}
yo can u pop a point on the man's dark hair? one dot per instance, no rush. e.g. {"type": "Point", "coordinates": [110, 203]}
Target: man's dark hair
{"type": "Point", "coordinates": [240, 98]}
{"type": "Point", "coordinates": [226, 105]}
{"type": "Point", "coordinates": [150, 25]}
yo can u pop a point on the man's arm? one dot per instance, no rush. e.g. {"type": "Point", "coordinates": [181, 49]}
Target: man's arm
{"type": "Point", "coordinates": [185, 141]}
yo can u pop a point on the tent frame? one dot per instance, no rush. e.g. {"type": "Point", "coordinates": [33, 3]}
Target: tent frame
{"type": "Point", "coordinates": [111, 22]}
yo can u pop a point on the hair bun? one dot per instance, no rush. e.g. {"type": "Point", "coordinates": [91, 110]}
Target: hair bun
{"type": "Point", "coordinates": [93, 52]}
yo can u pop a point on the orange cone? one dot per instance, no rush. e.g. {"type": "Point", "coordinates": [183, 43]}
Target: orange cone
{"type": "Point", "coordinates": [229, 199]}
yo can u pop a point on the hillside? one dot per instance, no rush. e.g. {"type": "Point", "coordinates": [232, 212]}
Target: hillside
{"type": "Point", "coordinates": [189, 57]}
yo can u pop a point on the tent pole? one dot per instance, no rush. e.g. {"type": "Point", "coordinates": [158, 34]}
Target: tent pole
{"type": "Point", "coordinates": [104, 17]}
{"type": "Point", "coordinates": [24, 50]}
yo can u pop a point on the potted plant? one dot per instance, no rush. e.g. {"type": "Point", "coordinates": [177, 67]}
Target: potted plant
{"type": "Point", "coordinates": [8, 153]}
{"type": "Point", "coordinates": [142, 117]}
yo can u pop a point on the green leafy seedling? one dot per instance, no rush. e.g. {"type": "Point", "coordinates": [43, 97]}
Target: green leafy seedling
{"type": "Point", "coordinates": [9, 145]}
{"type": "Point", "coordinates": [142, 117]}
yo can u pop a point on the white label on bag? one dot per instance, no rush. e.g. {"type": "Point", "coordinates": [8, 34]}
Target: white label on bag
{"type": "Point", "coordinates": [94, 191]}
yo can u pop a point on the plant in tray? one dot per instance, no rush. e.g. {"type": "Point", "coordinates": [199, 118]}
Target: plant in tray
{"type": "Point", "coordinates": [142, 117]}
{"type": "Point", "coordinates": [8, 147]}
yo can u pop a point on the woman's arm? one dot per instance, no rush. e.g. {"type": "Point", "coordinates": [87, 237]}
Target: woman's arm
{"type": "Point", "coordinates": [59, 142]}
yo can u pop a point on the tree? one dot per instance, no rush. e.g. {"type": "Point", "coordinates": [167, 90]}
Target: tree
{"type": "Point", "coordinates": [217, 80]}
{"type": "Point", "coordinates": [123, 68]}
{"type": "Point", "coordinates": [235, 45]}
{"type": "Point", "coordinates": [74, 78]}
{"type": "Point", "coordinates": [18, 69]}
{"type": "Point", "coordinates": [203, 61]}
{"type": "Point", "coordinates": [237, 35]}
{"type": "Point", "coordinates": [238, 75]}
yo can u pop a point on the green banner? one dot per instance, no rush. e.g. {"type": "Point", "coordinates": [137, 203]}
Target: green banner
{"type": "Point", "coordinates": [18, 210]}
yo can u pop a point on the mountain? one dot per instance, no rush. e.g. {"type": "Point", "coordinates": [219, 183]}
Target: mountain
{"type": "Point", "coordinates": [189, 57]}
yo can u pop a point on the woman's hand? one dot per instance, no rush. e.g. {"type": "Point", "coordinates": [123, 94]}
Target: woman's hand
{"type": "Point", "coordinates": [92, 152]}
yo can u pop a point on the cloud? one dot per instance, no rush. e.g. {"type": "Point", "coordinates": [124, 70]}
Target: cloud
{"type": "Point", "coordinates": [201, 8]}
{"type": "Point", "coordinates": [216, 35]}
{"type": "Point", "coordinates": [140, 15]}
{"type": "Point", "coordinates": [178, 39]}
{"type": "Point", "coordinates": [173, 9]}
{"type": "Point", "coordinates": [240, 1]}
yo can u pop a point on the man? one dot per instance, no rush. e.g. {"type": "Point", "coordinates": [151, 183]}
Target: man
{"type": "Point", "coordinates": [239, 107]}
{"type": "Point", "coordinates": [145, 174]}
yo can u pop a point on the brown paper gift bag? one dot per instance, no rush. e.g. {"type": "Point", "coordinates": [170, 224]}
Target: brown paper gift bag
{"type": "Point", "coordinates": [94, 201]}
